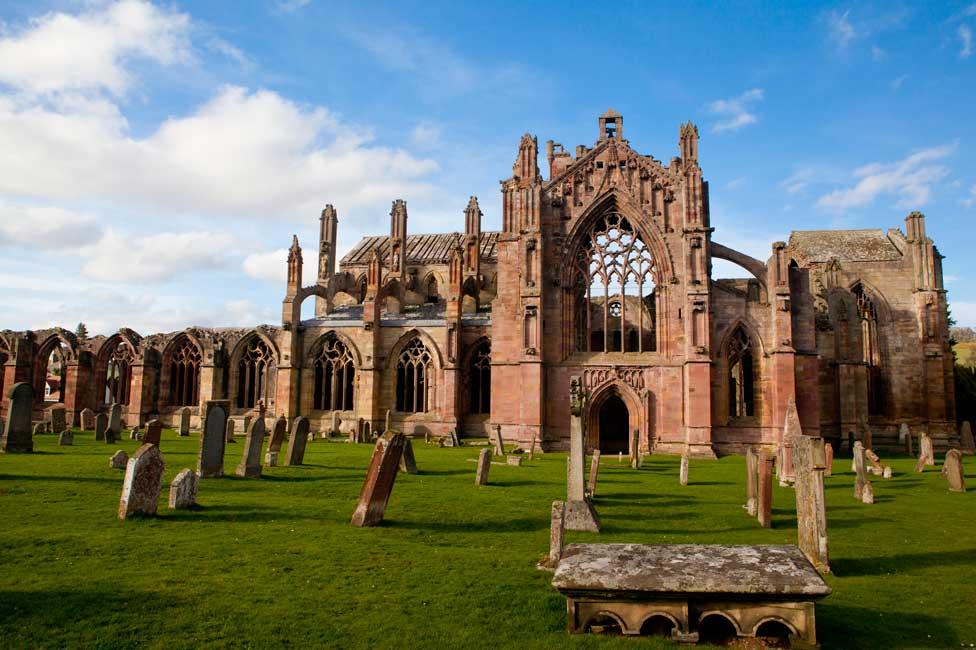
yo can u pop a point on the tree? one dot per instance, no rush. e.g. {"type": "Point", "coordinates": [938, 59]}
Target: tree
{"type": "Point", "coordinates": [81, 331]}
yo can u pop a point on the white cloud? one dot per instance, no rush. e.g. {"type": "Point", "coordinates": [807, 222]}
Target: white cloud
{"type": "Point", "coordinates": [970, 201]}
{"type": "Point", "coordinates": [735, 111]}
{"type": "Point", "coordinates": [966, 37]}
{"type": "Point", "coordinates": [426, 135]}
{"type": "Point", "coordinates": [289, 6]}
{"type": "Point", "coordinates": [898, 81]}
{"type": "Point", "coordinates": [910, 179]}
{"type": "Point", "coordinates": [735, 183]}
{"type": "Point", "coordinates": [272, 266]}
{"type": "Point", "coordinates": [963, 312]}
{"type": "Point", "coordinates": [89, 51]}
{"type": "Point", "coordinates": [45, 227]}
{"type": "Point", "coordinates": [120, 259]}
{"type": "Point", "coordinates": [230, 51]}
{"type": "Point", "coordinates": [841, 31]}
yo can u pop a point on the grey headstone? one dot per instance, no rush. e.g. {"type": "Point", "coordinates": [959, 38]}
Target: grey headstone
{"type": "Point", "coordinates": [17, 428]}
{"type": "Point", "coordinates": [229, 437]}
{"type": "Point", "coordinates": [101, 426]}
{"type": "Point", "coordinates": [210, 459]}
{"type": "Point", "coordinates": [183, 490]}
{"type": "Point", "coordinates": [114, 422]}
{"type": "Point", "coordinates": [484, 465]}
{"type": "Point", "coordinates": [58, 419]}
{"type": "Point", "coordinates": [297, 440]}
{"type": "Point", "coordinates": [67, 438]}
{"type": "Point", "coordinates": [809, 461]}
{"type": "Point", "coordinates": [185, 422]}
{"type": "Point", "coordinates": [118, 460]}
{"type": "Point", "coordinates": [496, 440]}
{"type": "Point", "coordinates": [250, 465]}
{"type": "Point", "coordinates": [154, 432]}
{"type": "Point", "coordinates": [143, 482]}
{"type": "Point", "coordinates": [594, 472]}
{"type": "Point", "coordinates": [87, 420]}
{"type": "Point", "coordinates": [683, 472]}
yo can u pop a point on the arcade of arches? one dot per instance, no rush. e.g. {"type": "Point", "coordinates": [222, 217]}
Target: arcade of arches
{"type": "Point", "coordinates": [602, 269]}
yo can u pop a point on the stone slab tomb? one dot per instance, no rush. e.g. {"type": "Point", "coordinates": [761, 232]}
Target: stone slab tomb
{"type": "Point", "coordinates": [143, 482]}
{"type": "Point", "coordinates": [154, 432]}
{"type": "Point", "coordinates": [183, 490]}
{"type": "Point", "coordinates": [17, 436]}
{"type": "Point", "coordinates": [952, 471]}
{"type": "Point", "coordinates": [484, 465]}
{"type": "Point", "coordinates": [378, 485]}
{"type": "Point", "coordinates": [101, 427]}
{"type": "Point", "coordinates": [277, 439]}
{"type": "Point", "coordinates": [210, 458]}
{"type": "Point", "coordinates": [297, 440]}
{"type": "Point", "coordinates": [185, 422]}
{"type": "Point", "coordinates": [118, 460]}
{"type": "Point", "coordinates": [926, 453]}
{"type": "Point", "coordinates": [809, 461]}
{"type": "Point", "coordinates": [514, 460]}
{"type": "Point", "coordinates": [250, 465]}
{"type": "Point", "coordinates": [58, 419]}
{"type": "Point", "coordinates": [626, 588]}
{"type": "Point", "coordinates": [87, 420]}
{"type": "Point", "coordinates": [408, 463]}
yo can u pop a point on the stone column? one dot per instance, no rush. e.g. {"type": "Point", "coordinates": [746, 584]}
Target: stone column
{"type": "Point", "coordinates": [580, 514]}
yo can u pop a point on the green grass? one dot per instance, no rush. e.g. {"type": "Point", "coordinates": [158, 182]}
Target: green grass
{"type": "Point", "coordinates": [274, 562]}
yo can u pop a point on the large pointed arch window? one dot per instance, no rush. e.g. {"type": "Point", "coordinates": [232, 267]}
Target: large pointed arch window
{"type": "Point", "coordinates": [614, 289]}
{"type": "Point", "coordinates": [118, 374]}
{"type": "Point", "coordinates": [742, 375]}
{"type": "Point", "coordinates": [184, 373]}
{"type": "Point", "coordinates": [479, 379]}
{"type": "Point", "coordinates": [413, 378]}
{"type": "Point", "coordinates": [870, 348]}
{"type": "Point", "coordinates": [256, 371]}
{"type": "Point", "coordinates": [335, 376]}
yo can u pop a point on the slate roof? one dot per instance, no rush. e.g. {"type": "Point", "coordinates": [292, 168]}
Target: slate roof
{"type": "Point", "coordinates": [421, 249]}
{"type": "Point", "coordinates": [851, 245]}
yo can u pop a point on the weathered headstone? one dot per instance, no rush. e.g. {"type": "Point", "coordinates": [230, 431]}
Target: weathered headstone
{"type": "Point", "coordinates": [229, 430]}
{"type": "Point", "coordinates": [683, 472]}
{"type": "Point", "coordinates": [557, 528]}
{"type": "Point", "coordinates": [143, 482]}
{"type": "Point", "coordinates": [967, 444]}
{"type": "Point", "coordinates": [58, 420]}
{"type": "Point", "coordinates": [752, 482]}
{"type": "Point", "coordinates": [515, 460]}
{"type": "Point", "coordinates": [952, 470]}
{"type": "Point", "coordinates": [66, 439]}
{"type": "Point", "coordinates": [580, 514]}
{"type": "Point", "coordinates": [118, 460]}
{"type": "Point", "coordinates": [877, 468]}
{"type": "Point", "coordinates": [764, 502]}
{"type": "Point", "coordinates": [134, 433]}
{"type": "Point", "coordinates": [250, 465]}
{"type": "Point", "coordinates": [183, 490]}
{"type": "Point", "coordinates": [408, 463]}
{"type": "Point", "coordinates": [909, 442]}
{"type": "Point", "coordinates": [862, 483]}
{"type": "Point", "coordinates": [867, 494]}
{"type": "Point", "coordinates": [496, 441]}
{"type": "Point", "coordinates": [635, 449]}
{"type": "Point", "coordinates": [274, 443]}
{"type": "Point", "coordinates": [87, 419]}
{"type": "Point", "coordinates": [388, 423]}
{"type": "Point", "coordinates": [297, 440]}
{"type": "Point", "coordinates": [40, 428]}
{"type": "Point", "coordinates": [829, 459]}
{"type": "Point", "coordinates": [594, 473]}
{"type": "Point", "coordinates": [926, 453]}
{"type": "Point", "coordinates": [154, 432]}
{"type": "Point", "coordinates": [809, 462]}
{"type": "Point", "coordinates": [210, 459]}
{"type": "Point", "coordinates": [247, 423]}
{"type": "Point", "coordinates": [17, 427]}
{"type": "Point", "coordinates": [378, 485]}
{"type": "Point", "coordinates": [114, 429]}
{"type": "Point", "coordinates": [791, 430]}
{"type": "Point", "coordinates": [185, 421]}
{"type": "Point", "coordinates": [101, 426]}
{"type": "Point", "coordinates": [484, 465]}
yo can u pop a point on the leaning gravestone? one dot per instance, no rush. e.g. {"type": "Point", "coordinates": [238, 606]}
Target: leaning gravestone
{"type": "Point", "coordinates": [142, 483]}
{"type": "Point", "coordinates": [809, 461]}
{"type": "Point", "coordinates": [408, 464]}
{"type": "Point", "coordinates": [496, 440]}
{"type": "Point", "coordinates": [229, 432]}
{"type": "Point", "coordinates": [275, 442]}
{"type": "Point", "coordinates": [185, 422]}
{"type": "Point", "coordinates": [17, 427]}
{"type": "Point", "coordinates": [114, 423]}
{"type": "Point", "coordinates": [863, 491]}
{"type": "Point", "coordinates": [183, 490]}
{"type": "Point", "coordinates": [966, 442]}
{"type": "Point", "coordinates": [484, 465]}
{"type": "Point", "coordinates": [877, 468]}
{"type": "Point", "coordinates": [250, 465]}
{"type": "Point", "coordinates": [952, 470]}
{"type": "Point", "coordinates": [87, 419]}
{"type": "Point", "coordinates": [378, 486]}
{"type": "Point", "coordinates": [752, 481]}
{"type": "Point", "coordinates": [66, 439]}
{"type": "Point", "coordinates": [58, 420]}
{"type": "Point", "coordinates": [926, 453]}
{"type": "Point", "coordinates": [594, 472]}
{"type": "Point", "coordinates": [297, 440]}
{"type": "Point", "coordinates": [118, 460]}
{"type": "Point", "coordinates": [210, 459]}
{"type": "Point", "coordinates": [101, 426]}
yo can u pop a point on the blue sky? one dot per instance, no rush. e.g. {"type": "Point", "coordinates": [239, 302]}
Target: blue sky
{"type": "Point", "coordinates": [155, 158]}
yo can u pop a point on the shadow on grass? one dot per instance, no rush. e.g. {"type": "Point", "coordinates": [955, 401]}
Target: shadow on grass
{"type": "Point", "coordinates": [61, 609]}
{"type": "Point", "coordinates": [70, 479]}
{"type": "Point", "coordinates": [904, 563]}
{"type": "Point", "coordinates": [524, 525]}
{"type": "Point", "coordinates": [881, 629]}
{"type": "Point", "coordinates": [443, 472]}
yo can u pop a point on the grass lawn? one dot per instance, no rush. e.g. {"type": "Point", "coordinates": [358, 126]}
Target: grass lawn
{"type": "Point", "coordinates": [273, 562]}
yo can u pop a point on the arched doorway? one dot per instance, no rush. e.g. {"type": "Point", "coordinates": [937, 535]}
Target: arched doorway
{"type": "Point", "coordinates": [614, 422]}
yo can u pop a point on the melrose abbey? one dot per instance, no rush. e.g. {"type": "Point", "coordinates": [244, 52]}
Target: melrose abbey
{"type": "Point", "coordinates": [602, 270]}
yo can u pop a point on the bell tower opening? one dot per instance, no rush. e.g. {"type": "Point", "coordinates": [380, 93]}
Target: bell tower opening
{"type": "Point", "coordinates": [614, 425]}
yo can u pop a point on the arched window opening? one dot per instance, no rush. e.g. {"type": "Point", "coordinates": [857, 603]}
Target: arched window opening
{"type": "Point", "coordinates": [413, 378]}
{"type": "Point", "coordinates": [870, 348]}
{"type": "Point", "coordinates": [335, 375]}
{"type": "Point", "coordinates": [430, 288]}
{"type": "Point", "coordinates": [255, 374]}
{"type": "Point", "coordinates": [118, 374]}
{"type": "Point", "coordinates": [742, 375]}
{"type": "Point", "coordinates": [54, 367]}
{"type": "Point", "coordinates": [184, 374]}
{"type": "Point", "coordinates": [479, 379]}
{"type": "Point", "coordinates": [614, 289]}
{"type": "Point", "coordinates": [361, 291]}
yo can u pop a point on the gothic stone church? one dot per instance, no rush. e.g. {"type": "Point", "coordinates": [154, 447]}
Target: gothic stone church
{"type": "Point", "coordinates": [602, 270]}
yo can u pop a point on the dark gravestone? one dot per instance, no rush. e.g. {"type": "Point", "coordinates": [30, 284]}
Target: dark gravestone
{"type": "Point", "coordinates": [408, 463]}
{"type": "Point", "coordinates": [58, 419]}
{"type": "Point", "coordinates": [114, 423]}
{"type": "Point", "coordinates": [143, 481]}
{"type": "Point", "coordinates": [210, 460]}
{"type": "Point", "coordinates": [230, 430]}
{"type": "Point", "coordinates": [275, 442]}
{"type": "Point", "coordinates": [379, 481]}
{"type": "Point", "coordinates": [185, 422]}
{"type": "Point", "coordinates": [67, 438]}
{"type": "Point", "coordinates": [101, 426]}
{"type": "Point", "coordinates": [250, 466]}
{"type": "Point", "coordinates": [17, 428]}
{"type": "Point", "coordinates": [87, 419]}
{"type": "Point", "coordinates": [154, 432]}
{"type": "Point", "coordinates": [297, 440]}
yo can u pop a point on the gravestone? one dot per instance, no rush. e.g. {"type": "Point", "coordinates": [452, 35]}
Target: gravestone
{"type": "Point", "coordinates": [183, 490]}
{"type": "Point", "coordinates": [496, 441]}
{"type": "Point", "coordinates": [16, 435]}
{"type": "Point", "coordinates": [752, 482]}
{"type": "Point", "coordinates": [297, 440]}
{"type": "Point", "coordinates": [274, 443]}
{"type": "Point", "coordinates": [967, 444]}
{"type": "Point", "coordinates": [354, 437]}
{"type": "Point", "coordinates": [514, 460]}
{"type": "Point", "coordinates": [213, 439]}
{"type": "Point", "coordinates": [58, 420]}
{"type": "Point", "coordinates": [764, 500]}
{"type": "Point", "coordinates": [154, 432]}
{"type": "Point", "coordinates": [635, 449]}
{"type": "Point", "coordinates": [877, 468]}
{"type": "Point", "coordinates": [484, 464]}
{"type": "Point", "coordinates": [810, 462]}
{"type": "Point", "coordinates": [39, 429]}
{"type": "Point", "coordinates": [580, 514]}
{"type": "Point", "coordinates": [114, 423]}
{"type": "Point", "coordinates": [829, 459]}
{"type": "Point", "coordinates": [118, 460]}
{"type": "Point", "coordinates": [863, 491]}
{"type": "Point", "coordinates": [185, 421]}
{"type": "Point", "coordinates": [250, 465]}
{"type": "Point", "coordinates": [557, 528]}
{"type": "Point", "coordinates": [683, 472]}
{"type": "Point", "coordinates": [143, 482]}
{"type": "Point", "coordinates": [229, 431]}
{"type": "Point", "coordinates": [388, 421]}
{"type": "Point", "coordinates": [247, 423]}
{"type": "Point", "coordinates": [909, 442]}
{"type": "Point", "coordinates": [101, 426]}
{"type": "Point", "coordinates": [594, 473]}
{"type": "Point", "coordinates": [926, 453]}
{"type": "Point", "coordinates": [134, 433]}
{"type": "Point", "coordinates": [866, 434]}
{"type": "Point", "coordinates": [380, 477]}
{"type": "Point", "coordinates": [87, 419]}
{"type": "Point", "coordinates": [952, 470]}
{"type": "Point", "coordinates": [66, 439]}
{"type": "Point", "coordinates": [408, 463]}
{"type": "Point", "coordinates": [791, 430]}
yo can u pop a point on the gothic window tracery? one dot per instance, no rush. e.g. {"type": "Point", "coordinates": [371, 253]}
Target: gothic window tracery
{"type": "Point", "coordinates": [614, 289]}
{"type": "Point", "coordinates": [742, 374]}
{"type": "Point", "coordinates": [479, 379]}
{"type": "Point", "coordinates": [413, 378]}
{"type": "Point", "coordinates": [255, 374]}
{"type": "Point", "coordinates": [870, 348]}
{"type": "Point", "coordinates": [335, 376]}
{"type": "Point", "coordinates": [118, 374]}
{"type": "Point", "coordinates": [184, 373]}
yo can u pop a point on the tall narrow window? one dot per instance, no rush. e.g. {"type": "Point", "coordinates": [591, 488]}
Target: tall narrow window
{"type": "Point", "coordinates": [255, 374]}
{"type": "Point", "coordinates": [184, 373]}
{"type": "Point", "coordinates": [614, 289]}
{"type": "Point", "coordinates": [118, 374]}
{"type": "Point", "coordinates": [430, 288]}
{"type": "Point", "coordinates": [334, 377]}
{"type": "Point", "coordinates": [870, 348]}
{"type": "Point", "coordinates": [361, 283]}
{"type": "Point", "coordinates": [413, 378]}
{"type": "Point", "coordinates": [742, 376]}
{"type": "Point", "coordinates": [479, 379]}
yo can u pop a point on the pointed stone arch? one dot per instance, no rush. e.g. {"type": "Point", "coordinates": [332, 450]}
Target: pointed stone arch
{"type": "Point", "coordinates": [113, 367]}
{"type": "Point", "coordinates": [253, 365]}
{"type": "Point", "coordinates": [740, 373]}
{"type": "Point", "coordinates": [636, 412]}
{"type": "Point", "coordinates": [182, 360]}
{"type": "Point", "coordinates": [67, 342]}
